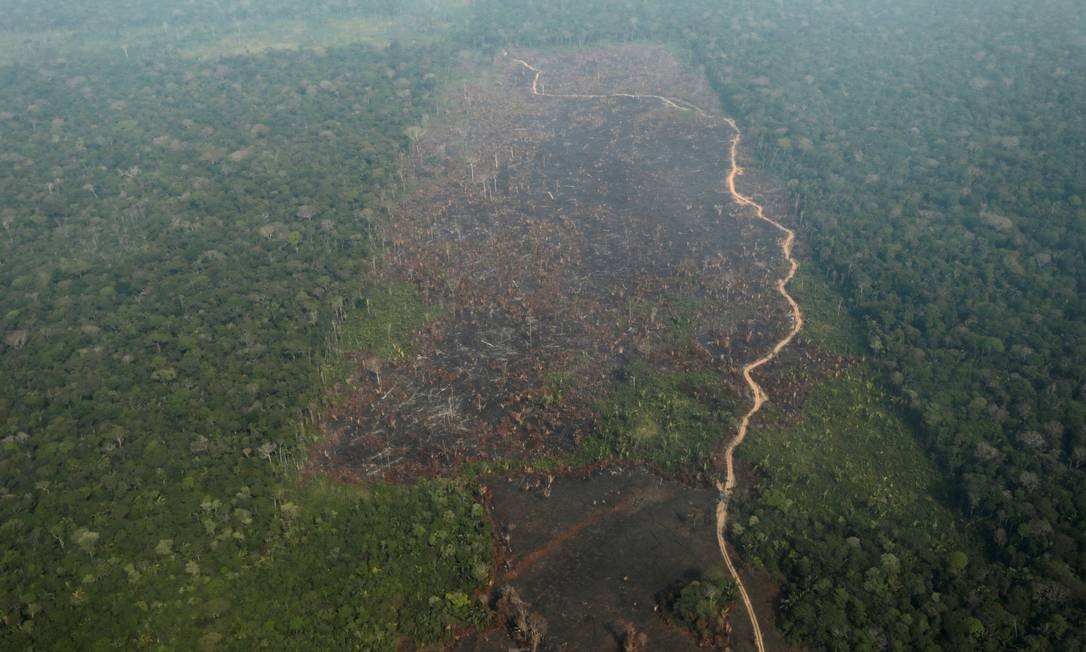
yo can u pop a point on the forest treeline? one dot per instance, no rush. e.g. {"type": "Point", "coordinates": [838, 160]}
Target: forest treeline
{"type": "Point", "coordinates": [936, 152]}
{"type": "Point", "coordinates": [109, 15]}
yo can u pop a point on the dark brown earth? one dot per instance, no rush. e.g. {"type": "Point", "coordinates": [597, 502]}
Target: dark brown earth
{"type": "Point", "coordinates": [598, 552]}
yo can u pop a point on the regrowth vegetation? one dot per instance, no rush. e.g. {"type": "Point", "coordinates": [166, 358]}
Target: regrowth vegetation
{"type": "Point", "coordinates": [702, 606]}
{"type": "Point", "coordinates": [675, 421]}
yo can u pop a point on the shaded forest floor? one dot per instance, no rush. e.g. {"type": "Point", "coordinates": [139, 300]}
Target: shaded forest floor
{"type": "Point", "coordinates": [587, 276]}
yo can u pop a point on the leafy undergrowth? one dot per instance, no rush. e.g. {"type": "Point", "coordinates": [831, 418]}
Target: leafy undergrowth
{"type": "Point", "coordinates": [849, 456]}
{"type": "Point", "coordinates": [852, 515]}
{"type": "Point", "coordinates": [827, 323]}
{"type": "Point", "coordinates": [384, 321]}
{"type": "Point", "coordinates": [702, 607]}
{"type": "Point", "coordinates": [671, 420]}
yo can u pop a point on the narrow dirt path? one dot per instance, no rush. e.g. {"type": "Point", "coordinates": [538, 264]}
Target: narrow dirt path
{"type": "Point", "coordinates": [725, 488]}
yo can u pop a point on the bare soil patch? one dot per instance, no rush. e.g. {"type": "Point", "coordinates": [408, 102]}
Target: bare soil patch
{"type": "Point", "coordinates": [591, 554]}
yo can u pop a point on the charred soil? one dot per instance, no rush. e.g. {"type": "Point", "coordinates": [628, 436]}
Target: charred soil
{"type": "Point", "coordinates": [564, 243]}
{"type": "Point", "coordinates": [580, 555]}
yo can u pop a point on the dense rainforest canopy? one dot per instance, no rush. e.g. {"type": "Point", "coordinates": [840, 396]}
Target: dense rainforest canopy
{"type": "Point", "coordinates": [180, 236]}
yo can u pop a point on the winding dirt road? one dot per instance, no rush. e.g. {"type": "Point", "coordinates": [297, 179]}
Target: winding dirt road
{"type": "Point", "coordinates": [759, 395]}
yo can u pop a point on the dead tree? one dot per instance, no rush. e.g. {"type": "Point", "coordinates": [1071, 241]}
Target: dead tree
{"type": "Point", "coordinates": [633, 640]}
{"type": "Point", "coordinates": [372, 365]}
{"type": "Point", "coordinates": [525, 626]}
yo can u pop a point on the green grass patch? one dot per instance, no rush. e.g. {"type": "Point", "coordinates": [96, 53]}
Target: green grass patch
{"type": "Point", "coordinates": [849, 456]}
{"type": "Point", "coordinates": [672, 420]}
{"type": "Point", "coordinates": [827, 322]}
{"type": "Point", "coordinates": [555, 386]}
{"type": "Point", "coordinates": [384, 321]}
{"type": "Point", "coordinates": [681, 318]}
{"type": "Point", "coordinates": [540, 464]}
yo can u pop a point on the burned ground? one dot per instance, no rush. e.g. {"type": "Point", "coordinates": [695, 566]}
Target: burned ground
{"type": "Point", "coordinates": [563, 240]}
{"type": "Point", "coordinates": [594, 553]}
